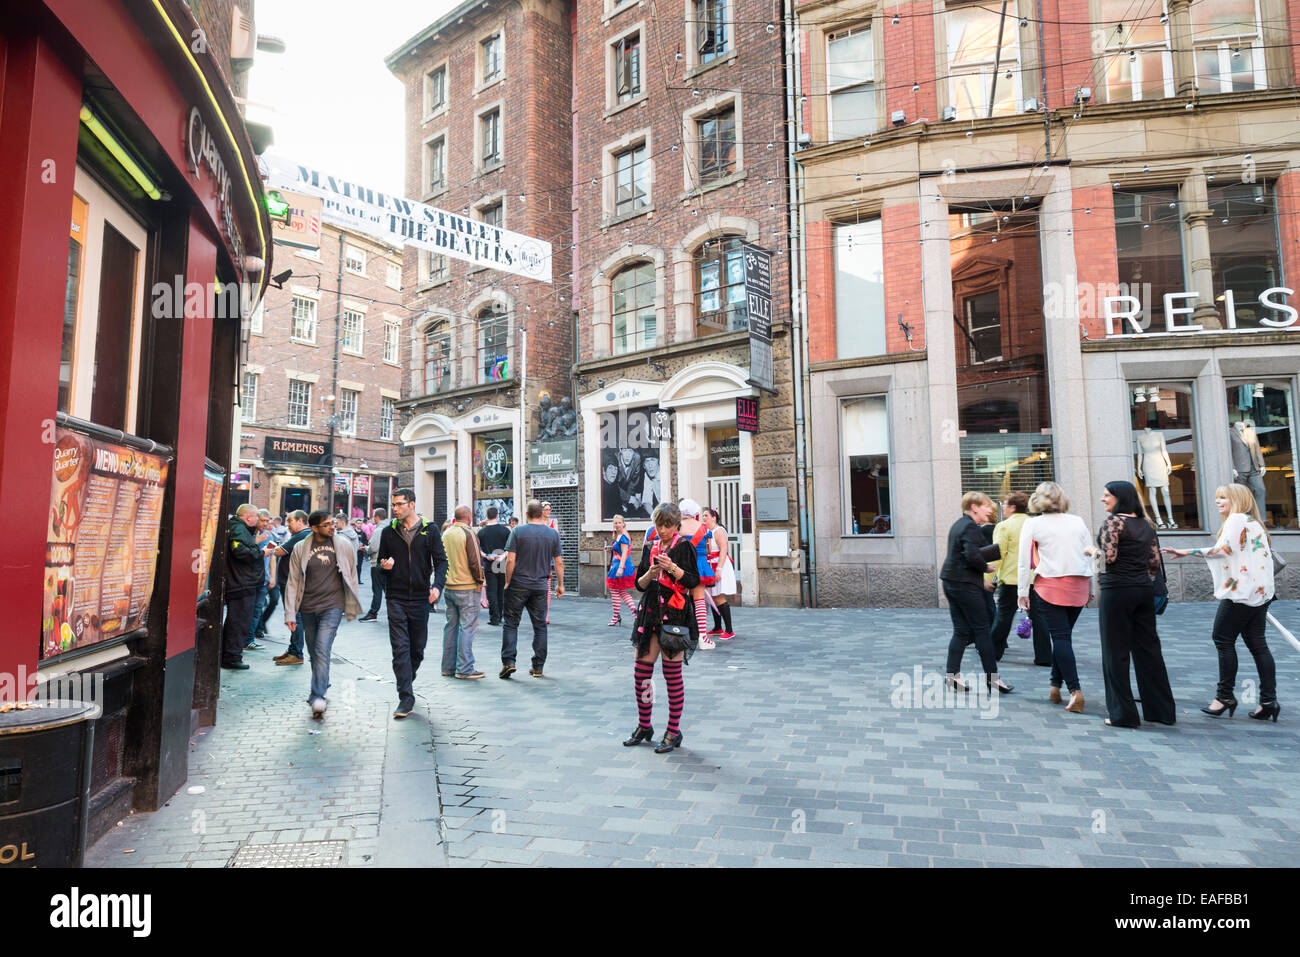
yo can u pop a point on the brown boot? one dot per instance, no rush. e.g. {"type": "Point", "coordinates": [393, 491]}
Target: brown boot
{"type": "Point", "coordinates": [1076, 702]}
{"type": "Point", "coordinates": [1054, 694]}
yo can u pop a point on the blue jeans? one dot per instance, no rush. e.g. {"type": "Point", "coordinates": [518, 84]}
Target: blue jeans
{"type": "Point", "coordinates": [259, 606]}
{"type": "Point", "coordinates": [517, 599]}
{"type": "Point", "coordinates": [295, 636]}
{"type": "Point", "coordinates": [458, 633]}
{"type": "Point", "coordinates": [1060, 621]}
{"type": "Point", "coordinates": [408, 633]}
{"type": "Point", "coordinates": [319, 629]}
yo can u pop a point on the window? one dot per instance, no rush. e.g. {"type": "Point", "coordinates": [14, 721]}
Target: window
{"type": "Point", "coordinates": [386, 411]}
{"type": "Point", "coordinates": [304, 320]}
{"type": "Point", "coordinates": [631, 181]}
{"type": "Point", "coordinates": [435, 165]}
{"type": "Point", "coordinates": [983, 316]}
{"type": "Point", "coordinates": [627, 68]}
{"type": "Point", "coordinates": [437, 359]}
{"type": "Point", "coordinates": [977, 70]}
{"type": "Point", "coordinates": [850, 75]}
{"type": "Point", "coordinates": [354, 260]}
{"type": "Point", "coordinates": [1139, 64]}
{"type": "Point", "coordinates": [353, 331]}
{"type": "Point", "coordinates": [717, 138]}
{"type": "Point", "coordinates": [1164, 453]}
{"type": "Point", "coordinates": [864, 448]}
{"type": "Point", "coordinates": [1149, 248]}
{"type": "Point", "coordinates": [248, 396]}
{"type": "Point", "coordinates": [494, 473]}
{"type": "Point", "coordinates": [860, 290]}
{"type": "Point", "coordinates": [493, 353]}
{"type": "Point", "coordinates": [255, 324]}
{"type": "Point", "coordinates": [394, 277]}
{"type": "Point", "coordinates": [1244, 246]}
{"type": "Point", "coordinates": [1229, 52]}
{"type": "Point", "coordinates": [634, 320]}
{"type": "Point", "coordinates": [720, 287]}
{"type": "Point", "coordinates": [490, 58]}
{"type": "Point", "coordinates": [490, 138]}
{"type": "Point", "coordinates": [493, 214]}
{"type": "Point", "coordinates": [712, 31]}
{"type": "Point", "coordinates": [299, 403]}
{"type": "Point", "coordinates": [433, 267]}
{"type": "Point", "coordinates": [348, 401]}
{"type": "Point", "coordinates": [392, 335]}
{"type": "Point", "coordinates": [435, 90]}
{"type": "Point", "coordinates": [1262, 440]}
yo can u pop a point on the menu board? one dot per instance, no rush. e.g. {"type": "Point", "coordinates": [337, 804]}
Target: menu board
{"type": "Point", "coordinates": [101, 553]}
{"type": "Point", "coordinates": [213, 480]}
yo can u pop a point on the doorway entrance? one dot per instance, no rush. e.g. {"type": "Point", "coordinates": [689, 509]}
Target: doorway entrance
{"type": "Point", "coordinates": [295, 499]}
{"type": "Point", "coordinates": [724, 485]}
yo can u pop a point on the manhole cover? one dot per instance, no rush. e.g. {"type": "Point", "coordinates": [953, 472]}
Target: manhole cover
{"type": "Point", "coordinates": [296, 854]}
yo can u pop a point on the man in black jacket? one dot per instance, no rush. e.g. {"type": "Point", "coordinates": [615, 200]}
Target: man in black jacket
{"type": "Point", "coordinates": [244, 574]}
{"type": "Point", "coordinates": [410, 552]}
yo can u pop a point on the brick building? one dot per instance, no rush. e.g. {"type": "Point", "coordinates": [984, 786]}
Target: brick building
{"type": "Point", "coordinates": [682, 157]}
{"type": "Point", "coordinates": [488, 135]}
{"type": "Point", "coordinates": [979, 193]}
{"type": "Point", "coordinates": [322, 380]}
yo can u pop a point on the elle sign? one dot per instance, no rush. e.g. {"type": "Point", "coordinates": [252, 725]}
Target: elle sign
{"type": "Point", "coordinates": [1129, 308]}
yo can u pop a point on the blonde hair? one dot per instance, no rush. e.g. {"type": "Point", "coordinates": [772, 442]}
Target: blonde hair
{"type": "Point", "coordinates": [971, 499]}
{"type": "Point", "coordinates": [1241, 500]}
{"type": "Point", "coordinates": [1048, 498]}
{"type": "Point", "coordinates": [618, 518]}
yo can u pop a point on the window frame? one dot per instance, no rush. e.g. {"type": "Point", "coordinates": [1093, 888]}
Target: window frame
{"type": "Point", "coordinates": [393, 339]}
{"type": "Point", "coordinates": [716, 173]}
{"type": "Point", "coordinates": [388, 278]}
{"type": "Point", "coordinates": [709, 16]}
{"type": "Point", "coordinates": [425, 274]}
{"type": "Point", "coordinates": [432, 109]}
{"type": "Point", "coordinates": [615, 49]}
{"type": "Point", "coordinates": [699, 260]}
{"type": "Point", "coordinates": [481, 161]}
{"type": "Point", "coordinates": [1117, 44]}
{"type": "Point", "coordinates": [858, 86]}
{"type": "Point", "coordinates": [1226, 44]}
{"type": "Point", "coordinates": [434, 148]}
{"type": "Point", "coordinates": [387, 416]}
{"type": "Point", "coordinates": [846, 492]}
{"type": "Point", "coordinates": [306, 406]}
{"type": "Point", "coordinates": [294, 319]}
{"type": "Point", "coordinates": [348, 250]}
{"type": "Point", "coordinates": [637, 339]}
{"type": "Point", "coordinates": [482, 79]}
{"type": "Point", "coordinates": [438, 330]}
{"type": "Point", "coordinates": [349, 426]}
{"type": "Point", "coordinates": [693, 182]}
{"type": "Point", "coordinates": [952, 72]}
{"type": "Point", "coordinates": [249, 408]}
{"type": "Point", "coordinates": [500, 315]}
{"type": "Point", "coordinates": [632, 168]}
{"type": "Point", "coordinates": [349, 309]}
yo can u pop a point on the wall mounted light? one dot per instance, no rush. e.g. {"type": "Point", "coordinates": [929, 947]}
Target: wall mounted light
{"type": "Point", "coordinates": [97, 129]}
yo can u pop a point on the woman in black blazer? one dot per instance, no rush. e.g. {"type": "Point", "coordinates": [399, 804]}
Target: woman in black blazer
{"type": "Point", "coordinates": [667, 573]}
{"type": "Point", "coordinates": [963, 585]}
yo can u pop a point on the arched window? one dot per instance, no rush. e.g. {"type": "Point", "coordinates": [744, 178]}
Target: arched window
{"type": "Point", "coordinates": [493, 350]}
{"type": "Point", "coordinates": [437, 358]}
{"type": "Point", "coordinates": [633, 309]}
{"type": "Point", "coordinates": [720, 287]}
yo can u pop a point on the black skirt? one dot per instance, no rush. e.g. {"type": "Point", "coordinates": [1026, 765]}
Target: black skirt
{"type": "Point", "coordinates": [654, 610]}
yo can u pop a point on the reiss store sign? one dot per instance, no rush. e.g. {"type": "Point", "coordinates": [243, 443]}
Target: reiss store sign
{"type": "Point", "coordinates": [1179, 306]}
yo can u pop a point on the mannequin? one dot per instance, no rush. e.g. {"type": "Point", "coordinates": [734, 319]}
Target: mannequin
{"type": "Point", "coordinates": [1248, 460]}
{"type": "Point", "coordinates": [1153, 468]}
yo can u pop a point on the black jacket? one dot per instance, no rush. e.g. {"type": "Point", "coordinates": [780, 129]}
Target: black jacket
{"type": "Point", "coordinates": [654, 608]}
{"type": "Point", "coordinates": [413, 565]}
{"type": "Point", "coordinates": [245, 570]}
{"type": "Point", "coordinates": [963, 564]}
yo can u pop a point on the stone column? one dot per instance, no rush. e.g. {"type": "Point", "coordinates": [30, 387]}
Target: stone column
{"type": "Point", "coordinates": [1180, 36]}
{"type": "Point", "coordinates": [1196, 217]}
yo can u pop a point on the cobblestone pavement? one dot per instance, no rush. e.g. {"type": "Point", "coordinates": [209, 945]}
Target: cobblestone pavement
{"type": "Point", "coordinates": [803, 746]}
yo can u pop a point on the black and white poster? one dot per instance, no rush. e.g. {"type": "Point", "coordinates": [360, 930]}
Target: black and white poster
{"type": "Point", "coordinates": [631, 482]}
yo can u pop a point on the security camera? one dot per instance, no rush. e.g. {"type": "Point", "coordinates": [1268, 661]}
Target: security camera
{"type": "Point", "coordinates": [805, 140]}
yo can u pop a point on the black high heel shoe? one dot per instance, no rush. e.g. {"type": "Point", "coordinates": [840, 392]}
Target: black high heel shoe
{"type": "Point", "coordinates": [1228, 706]}
{"type": "Point", "coordinates": [669, 742]}
{"type": "Point", "coordinates": [1002, 686]}
{"type": "Point", "coordinates": [639, 735]}
{"type": "Point", "coordinates": [1267, 710]}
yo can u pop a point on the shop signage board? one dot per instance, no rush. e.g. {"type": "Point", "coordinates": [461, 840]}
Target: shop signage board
{"type": "Point", "coordinates": [101, 552]}
{"type": "Point", "coordinates": [758, 303]}
{"type": "Point", "coordinates": [213, 479]}
{"type": "Point", "coordinates": [291, 450]}
{"type": "Point", "coordinates": [553, 480]}
{"type": "Point", "coordinates": [401, 221]}
{"type": "Point", "coordinates": [747, 414]}
{"type": "Point", "coordinates": [724, 455]}
{"type": "Point", "coordinates": [1124, 314]}
{"type": "Point", "coordinates": [302, 231]}
{"type": "Point", "coordinates": [661, 426]}
{"type": "Point", "coordinates": [361, 485]}
{"type": "Point", "coordinates": [559, 455]}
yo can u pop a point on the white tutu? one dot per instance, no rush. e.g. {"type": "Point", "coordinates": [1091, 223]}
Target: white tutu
{"type": "Point", "coordinates": [726, 579]}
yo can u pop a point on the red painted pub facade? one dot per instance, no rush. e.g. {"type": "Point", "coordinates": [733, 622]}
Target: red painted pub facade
{"type": "Point", "coordinates": [126, 169]}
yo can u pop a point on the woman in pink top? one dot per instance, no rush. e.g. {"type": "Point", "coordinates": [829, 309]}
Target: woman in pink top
{"type": "Point", "coordinates": [1055, 557]}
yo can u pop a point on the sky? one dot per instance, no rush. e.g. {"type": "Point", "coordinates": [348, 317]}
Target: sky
{"type": "Point", "coordinates": [329, 99]}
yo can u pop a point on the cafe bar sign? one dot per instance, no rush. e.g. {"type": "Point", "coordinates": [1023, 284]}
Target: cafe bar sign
{"type": "Point", "coordinates": [1179, 307]}
{"type": "Point", "coordinates": [290, 450]}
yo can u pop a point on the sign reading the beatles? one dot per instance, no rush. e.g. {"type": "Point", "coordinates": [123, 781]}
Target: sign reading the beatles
{"type": "Point", "coordinates": [101, 551]}
{"type": "Point", "coordinates": [401, 221]}
{"type": "Point", "coordinates": [287, 450]}
{"type": "Point", "coordinates": [758, 302]}
{"type": "Point", "coordinates": [555, 456]}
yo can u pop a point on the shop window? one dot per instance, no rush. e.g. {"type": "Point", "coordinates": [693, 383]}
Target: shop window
{"type": "Point", "coordinates": [631, 181]}
{"type": "Point", "coordinates": [435, 165]}
{"type": "Point", "coordinates": [493, 350]}
{"type": "Point", "coordinates": [627, 67]}
{"type": "Point", "coordinates": [380, 492]}
{"type": "Point", "coordinates": [360, 496]}
{"type": "Point", "coordinates": [72, 300]}
{"type": "Point", "coordinates": [1262, 441]}
{"type": "Point", "coordinates": [435, 90]}
{"type": "Point", "coordinates": [342, 492]}
{"type": "Point", "coordinates": [489, 133]}
{"type": "Point", "coordinates": [633, 309]}
{"type": "Point", "coordinates": [864, 445]}
{"type": "Point", "coordinates": [1149, 247]}
{"type": "Point", "coordinates": [850, 83]}
{"type": "Point", "coordinates": [303, 328]}
{"type": "Point", "coordinates": [859, 290]}
{"type": "Point", "coordinates": [712, 30]}
{"type": "Point", "coordinates": [716, 135]}
{"type": "Point", "coordinates": [1004, 419]}
{"type": "Point", "coordinates": [437, 359]}
{"type": "Point", "coordinates": [299, 403]}
{"type": "Point", "coordinates": [1139, 64]}
{"type": "Point", "coordinates": [349, 400]}
{"type": "Point", "coordinates": [354, 260]}
{"type": "Point", "coordinates": [493, 473]}
{"type": "Point", "coordinates": [720, 287]}
{"type": "Point", "coordinates": [353, 332]}
{"type": "Point", "coordinates": [387, 410]}
{"type": "Point", "coordinates": [1244, 246]}
{"type": "Point", "coordinates": [1229, 51]}
{"type": "Point", "coordinates": [248, 396]}
{"type": "Point", "coordinates": [978, 81]}
{"type": "Point", "coordinates": [1164, 453]}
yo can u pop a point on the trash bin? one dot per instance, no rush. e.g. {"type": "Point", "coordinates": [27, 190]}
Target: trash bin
{"type": "Point", "coordinates": [45, 749]}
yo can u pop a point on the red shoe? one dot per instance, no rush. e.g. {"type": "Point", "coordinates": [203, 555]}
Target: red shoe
{"type": "Point", "coordinates": [726, 635]}
{"type": "Point", "coordinates": [715, 631]}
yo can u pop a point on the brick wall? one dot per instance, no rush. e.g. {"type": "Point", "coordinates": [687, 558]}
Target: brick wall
{"type": "Point", "coordinates": [909, 59]}
{"type": "Point", "coordinates": [1288, 215]}
{"type": "Point", "coordinates": [901, 228]}
{"type": "Point", "coordinates": [819, 254]}
{"type": "Point", "coordinates": [1096, 260]}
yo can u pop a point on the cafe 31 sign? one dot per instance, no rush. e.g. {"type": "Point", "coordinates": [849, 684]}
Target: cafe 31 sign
{"type": "Point", "coordinates": [1179, 307]}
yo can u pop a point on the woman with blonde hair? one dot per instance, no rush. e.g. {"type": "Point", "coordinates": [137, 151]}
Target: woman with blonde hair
{"type": "Point", "coordinates": [621, 577]}
{"type": "Point", "coordinates": [1241, 562]}
{"type": "Point", "coordinates": [962, 576]}
{"type": "Point", "coordinates": [1055, 557]}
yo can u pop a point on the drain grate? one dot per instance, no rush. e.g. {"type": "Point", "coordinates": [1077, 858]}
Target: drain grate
{"type": "Point", "coordinates": [296, 854]}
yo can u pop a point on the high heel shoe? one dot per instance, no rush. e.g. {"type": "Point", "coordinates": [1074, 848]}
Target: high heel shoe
{"type": "Point", "coordinates": [616, 620]}
{"type": "Point", "coordinates": [1267, 710]}
{"type": "Point", "coordinates": [639, 735]}
{"type": "Point", "coordinates": [669, 742]}
{"type": "Point", "coordinates": [1228, 706]}
{"type": "Point", "coordinates": [1002, 686]}
{"type": "Point", "coordinates": [953, 682]}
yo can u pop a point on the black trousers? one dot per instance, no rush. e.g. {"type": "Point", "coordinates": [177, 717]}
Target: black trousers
{"type": "Point", "coordinates": [970, 624]}
{"type": "Point", "coordinates": [239, 622]}
{"type": "Point", "coordinates": [1042, 634]}
{"type": "Point", "coordinates": [377, 578]}
{"type": "Point", "coordinates": [496, 594]}
{"type": "Point", "coordinates": [1233, 619]}
{"type": "Point", "coordinates": [1128, 630]}
{"type": "Point", "coordinates": [1006, 617]}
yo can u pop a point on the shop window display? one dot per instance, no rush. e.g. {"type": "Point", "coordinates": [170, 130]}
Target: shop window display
{"type": "Point", "coordinates": [1261, 439]}
{"type": "Point", "coordinates": [494, 474]}
{"type": "Point", "coordinates": [1164, 454]}
{"type": "Point", "coordinates": [864, 440]}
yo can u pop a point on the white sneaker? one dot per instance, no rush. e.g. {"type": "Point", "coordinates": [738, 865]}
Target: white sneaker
{"type": "Point", "coordinates": [318, 707]}
{"type": "Point", "coordinates": [707, 642]}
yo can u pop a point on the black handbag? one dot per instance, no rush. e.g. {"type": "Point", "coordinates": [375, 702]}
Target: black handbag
{"type": "Point", "coordinates": [674, 638]}
{"type": "Point", "coordinates": [1160, 584]}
